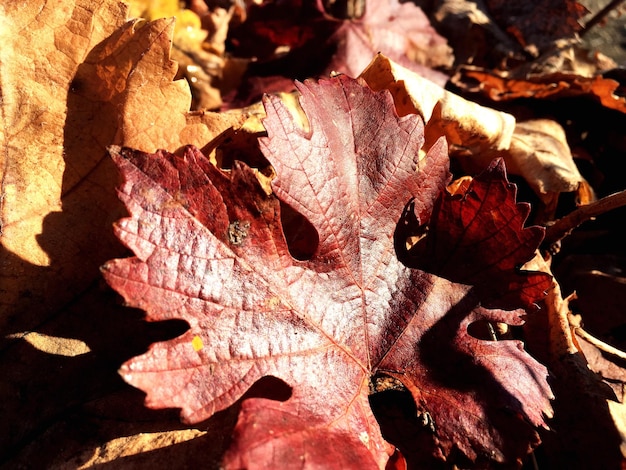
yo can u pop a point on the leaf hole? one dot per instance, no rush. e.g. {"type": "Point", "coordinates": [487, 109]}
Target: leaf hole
{"type": "Point", "coordinates": [302, 238]}
{"type": "Point", "coordinates": [269, 387]}
{"type": "Point", "coordinates": [410, 428]}
{"type": "Point", "coordinates": [482, 329]}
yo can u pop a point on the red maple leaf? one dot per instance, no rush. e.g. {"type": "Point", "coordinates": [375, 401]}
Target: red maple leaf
{"type": "Point", "coordinates": [210, 249]}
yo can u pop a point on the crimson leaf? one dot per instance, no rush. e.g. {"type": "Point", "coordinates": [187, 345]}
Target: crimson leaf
{"type": "Point", "coordinates": [210, 249]}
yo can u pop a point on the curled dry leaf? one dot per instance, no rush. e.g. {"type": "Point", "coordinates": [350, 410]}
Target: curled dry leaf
{"type": "Point", "coordinates": [211, 249]}
{"type": "Point", "coordinates": [548, 85]}
{"type": "Point", "coordinates": [466, 125]}
{"type": "Point", "coordinates": [536, 150]}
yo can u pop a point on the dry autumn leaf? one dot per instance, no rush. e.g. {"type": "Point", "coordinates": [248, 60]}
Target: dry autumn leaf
{"type": "Point", "coordinates": [50, 166]}
{"type": "Point", "coordinates": [210, 249]}
{"type": "Point", "coordinates": [537, 150]}
{"type": "Point", "coordinates": [553, 85]}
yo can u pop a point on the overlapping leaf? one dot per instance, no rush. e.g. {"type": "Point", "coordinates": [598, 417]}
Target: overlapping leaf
{"type": "Point", "coordinates": [477, 237]}
{"type": "Point", "coordinates": [210, 249]}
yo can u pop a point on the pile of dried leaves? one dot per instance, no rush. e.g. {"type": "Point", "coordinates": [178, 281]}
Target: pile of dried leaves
{"type": "Point", "coordinates": [360, 234]}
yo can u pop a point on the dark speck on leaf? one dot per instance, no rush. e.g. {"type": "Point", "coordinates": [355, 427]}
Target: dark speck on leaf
{"type": "Point", "coordinates": [238, 231]}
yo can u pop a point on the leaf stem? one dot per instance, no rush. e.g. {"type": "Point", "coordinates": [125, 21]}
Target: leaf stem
{"type": "Point", "coordinates": [601, 345]}
{"type": "Point", "coordinates": [562, 227]}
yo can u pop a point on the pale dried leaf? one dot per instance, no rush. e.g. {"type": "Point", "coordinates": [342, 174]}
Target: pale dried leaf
{"type": "Point", "coordinates": [536, 150]}
{"type": "Point", "coordinates": [465, 124]}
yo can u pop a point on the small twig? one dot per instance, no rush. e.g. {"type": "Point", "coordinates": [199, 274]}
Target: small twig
{"type": "Point", "coordinates": [562, 227]}
{"type": "Point", "coordinates": [601, 345]}
{"type": "Point", "coordinates": [598, 17]}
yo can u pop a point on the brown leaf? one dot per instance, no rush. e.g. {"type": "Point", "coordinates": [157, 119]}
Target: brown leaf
{"type": "Point", "coordinates": [151, 74]}
{"type": "Point", "coordinates": [51, 165]}
{"type": "Point", "coordinates": [59, 115]}
{"type": "Point", "coordinates": [548, 85]}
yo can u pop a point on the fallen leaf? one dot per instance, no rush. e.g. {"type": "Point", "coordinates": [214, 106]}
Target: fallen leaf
{"type": "Point", "coordinates": [152, 72]}
{"type": "Point", "coordinates": [501, 35]}
{"type": "Point", "coordinates": [400, 31]}
{"type": "Point", "coordinates": [537, 150]}
{"type": "Point", "coordinates": [210, 249]}
{"type": "Point", "coordinates": [466, 125]}
{"type": "Point", "coordinates": [43, 173]}
{"type": "Point", "coordinates": [465, 232]}
{"type": "Point", "coordinates": [62, 93]}
{"type": "Point", "coordinates": [546, 86]}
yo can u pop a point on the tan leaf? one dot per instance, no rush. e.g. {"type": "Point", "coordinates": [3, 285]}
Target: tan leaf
{"type": "Point", "coordinates": [465, 124]}
{"type": "Point", "coordinates": [72, 85]}
{"type": "Point", "coordinates": [43, 45]}
{"type": "Point", "coordinates": [155, 107]}
{"type": "Point", "coordinates": [536, 150]}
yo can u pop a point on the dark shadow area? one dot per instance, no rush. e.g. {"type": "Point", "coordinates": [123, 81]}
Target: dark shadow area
{"type": "Point", "coordinates": [301, 237]}
{"type": "Point", "coordinates": [583, 433]}
{"type": "Point", "coordinates": [402, 425]}
{"type": "Point", "coordinates": [456, 369]}
{"type": "Point", "coordinates": [269, 387]}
